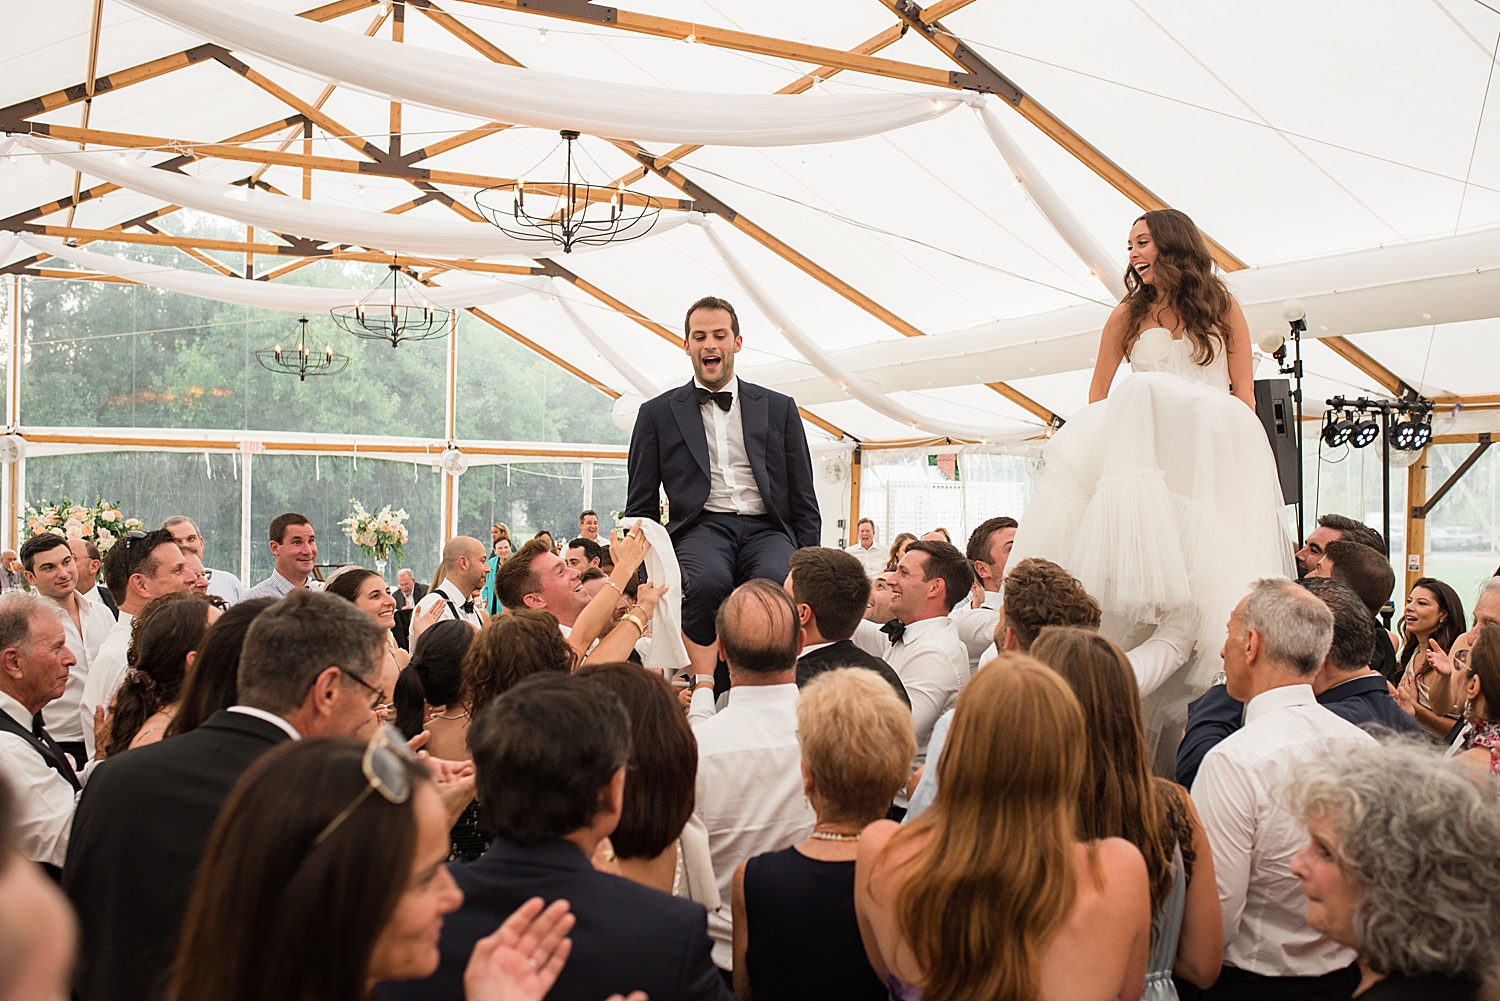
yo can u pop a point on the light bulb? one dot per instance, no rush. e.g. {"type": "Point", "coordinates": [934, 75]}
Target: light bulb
{"type": "Point", "coordinates": [691, 38]}
{"type": "Point", "coordinates": [541, 36]}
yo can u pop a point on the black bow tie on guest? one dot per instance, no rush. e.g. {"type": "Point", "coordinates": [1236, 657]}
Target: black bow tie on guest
{"type": "Point", "coordinates": [723, 399]}
{"type": "Point", "coordinates": [895, 629]}
{"type": "Point", "coordinates": [468, 607]}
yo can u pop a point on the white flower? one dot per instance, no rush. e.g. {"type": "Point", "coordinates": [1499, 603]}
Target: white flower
{"type": "Point", "coordinates": [105, 537]}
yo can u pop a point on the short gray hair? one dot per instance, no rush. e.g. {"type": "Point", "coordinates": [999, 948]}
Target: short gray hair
{"type": "Point", "coordinates": [1489, 586]}
{"type": "Point", "coordinates": [1423, 839]}
{"type": "Point", "coordinates": [298, 638]}
{"type": "Point", "coordinates": [1295, 628]}
{"type": "Point", "coordinates": [17, 609]}
{"type": "Point", "coordinates": [178, 519]}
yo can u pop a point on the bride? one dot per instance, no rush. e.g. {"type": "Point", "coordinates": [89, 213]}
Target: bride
{"type": "Point", "coordinates": [1161, 496]}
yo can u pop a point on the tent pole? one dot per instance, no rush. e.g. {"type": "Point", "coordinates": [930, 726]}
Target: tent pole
{"type": "Point", "coordinates": [1416, 520]}
{"type": "Point", "coordinates": [245, 458]}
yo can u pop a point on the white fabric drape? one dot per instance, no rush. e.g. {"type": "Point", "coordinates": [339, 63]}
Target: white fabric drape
{"type": "Point", "coordinates": [850, 383]}
{"type": "Point", "coordinates": [403, 234]}
{"type": "Point", "coordinates": [667, 652]}
{"type": "Point", "coordinates": [1056, 211]}
{"type": "Point", "coordinates": [446, 82]}
{"type": "Point", "coordinates": [606, 349]}
{"type": "Point", "coordinates": [269, 295]}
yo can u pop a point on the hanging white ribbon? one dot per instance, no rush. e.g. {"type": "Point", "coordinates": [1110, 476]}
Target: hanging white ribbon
{"type": "Point", "coordinates": [272, 295]}
{"type": "Point", "coordinates": [606, 350]}
{"type": "Point", "coordinates": [850, 383]}
{"type": "Point", "coordinates": [403, 234]}
{"type": "Point", "coordinates": [1052, 207]}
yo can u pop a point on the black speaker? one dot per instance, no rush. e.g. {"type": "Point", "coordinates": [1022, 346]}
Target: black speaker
{"type": "Point", "coordinates": [1278, 415]}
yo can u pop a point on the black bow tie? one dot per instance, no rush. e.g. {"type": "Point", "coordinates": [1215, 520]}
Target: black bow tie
{"type": "Point", "coordinates": [723, 399]}
{"type": "Point", "coordinates": [468, 607]}
{"type": "Point", "coordinates": [895, 629]}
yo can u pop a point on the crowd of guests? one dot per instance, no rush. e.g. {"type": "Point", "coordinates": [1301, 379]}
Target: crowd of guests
{"type": "Point", "coordinates": [920, 773]}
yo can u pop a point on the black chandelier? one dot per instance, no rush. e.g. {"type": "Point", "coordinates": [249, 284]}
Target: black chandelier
{"type": "Point", "coordinates": [395, 311]}
{"type": "Point", "coordinates": [576, 212]}
{"type": "Point", "coordinates": [1360, 423]}
{"type": "Point", "coordinates": [300, 361]}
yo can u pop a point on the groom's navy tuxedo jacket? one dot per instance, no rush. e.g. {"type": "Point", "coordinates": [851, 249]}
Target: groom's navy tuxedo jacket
{"type": "Point", "coordinates": [669, 448]}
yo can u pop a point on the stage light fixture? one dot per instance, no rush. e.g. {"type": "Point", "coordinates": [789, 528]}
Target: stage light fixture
{"type": "Point", "coordinates": [1411, 434]}
{"type": "Point", "coordinates": [1365, 432]}
{"type": "Point", "coordinates": [1337, 429]}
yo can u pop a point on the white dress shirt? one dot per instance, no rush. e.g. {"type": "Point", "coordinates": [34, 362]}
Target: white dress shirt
{"type": "Point", "coordinates": [105, 674]}
{"type": "Point", "coordinates": [731, 481]}
{"type": "Point", "coordinates": [61, 715]}
{"type": "Point", "coordinates": [1155, 660]}
{"type": "Point", "coordinates": [976, 626]}
{"type": "Point", "coordinates": [226, 585]}
{"type": "Point", "coordinates": [448, 591]}
{"type": "Point", "coordinates": [749, 793]}
{"type": "Point", "coordinates": [44, 799]}
{"type": "Point", "coordinates": [96, 595]}
{"type": "Point", "coordinates": [1240, 794]}
{"type": "Point", "coordinates": [269, 717]}
{"type": "Point", "coordinates": [274, 586]}
{"type": "Point", "coordinates": [872, 559]}
{"type": "Point", "coordinates": [933, 665]}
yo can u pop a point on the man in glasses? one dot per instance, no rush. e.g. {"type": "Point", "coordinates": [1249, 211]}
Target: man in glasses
{"type": "Point", "coordinates": [308, 668]}
{"type": "Point", "coordinates": [220, 582]}
{"type": "Point", "coordinates": [138, 567]}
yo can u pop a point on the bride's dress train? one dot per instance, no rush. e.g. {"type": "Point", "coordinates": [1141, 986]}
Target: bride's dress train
{"type": "Point", "coordinates": [1163, 495]}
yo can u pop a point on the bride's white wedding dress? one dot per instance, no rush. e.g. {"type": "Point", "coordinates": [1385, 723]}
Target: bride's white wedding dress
{"type": "Point", "coordinates": [1161, 496]}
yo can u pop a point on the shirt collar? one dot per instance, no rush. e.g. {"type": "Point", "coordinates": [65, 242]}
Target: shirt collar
{"type": "Point", "coordinates": [271, 718]}
{"type": "Point", "coordinates": [1282, 697]}
{"type": "Point", "coordinates": [754, 696]}
{"type": "Point", "coordinates": [992, 600]}
{"type": "Point", "coordinates": [732, 387]}
{"type": "Point", "coordinates": [15, 710]}
{"type": "Point", "coordinates": [923, 626]}
{"type": "Point", "coordinates": [448, 588]}
{"type": "Point", "coordinates": [815, 646]}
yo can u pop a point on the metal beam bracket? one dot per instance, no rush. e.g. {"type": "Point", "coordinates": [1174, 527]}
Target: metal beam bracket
{"type": "Point", "coordinates": [580, 9]}
{"type": "Point", "coordinates": [1422, 510]}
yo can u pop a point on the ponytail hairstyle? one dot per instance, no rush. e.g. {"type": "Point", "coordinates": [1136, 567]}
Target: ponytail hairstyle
{"type": "Point", "coordinates": [1184, 282]}
{"type": "Point", "coordinates": [433, 676]}
{"type": "Point", "coordinates": [168, 629]}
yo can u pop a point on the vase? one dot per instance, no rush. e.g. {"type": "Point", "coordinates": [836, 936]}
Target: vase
{"type": "Point", "coordinates": [380, 562]}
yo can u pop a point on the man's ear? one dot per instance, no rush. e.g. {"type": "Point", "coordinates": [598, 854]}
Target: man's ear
{"type": "Point", "coordinates": [1012, 642]}
{"type": "Point", "coordinates": [1254, 646]}
{"type": "Point", "coordinates": [535, 600]}
{"type": "Point", "coordinates": [324, 690]}
{"type": "Point", "coordinates": [10, 663]}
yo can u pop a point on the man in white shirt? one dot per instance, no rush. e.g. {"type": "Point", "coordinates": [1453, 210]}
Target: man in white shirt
{"type": "Point", "coordinates": [583, 553]}
{"type": "Point", "coordinates": [139, 566]}
{"type": "Point", "coordinates": [1279, 635]}
{"type": "Point", "coordinates": [51, 570]}
{"type": "Point", "coordinates": [221, 583]}
{"type": "Point", "coordinates": [870, 556]}
{"type": "Point", "coordinates": [920, 642]}
{"type": "Point", "coordinates": [464, 571]}
{"type": "Point", "coordinates": [878, 610]}
{"type": "Point", "coordinates": [86, 562]}
{"type": "Point", "coordinates": [34, 664]}
{"type": "Point", "coordinates": [749, 792]}
{"type": "Point", "coordinates": [588, 527]}
{"type": "Point", "coordinates": [294, 548]}
{"type": "Point", "coordinates": [989, 551]}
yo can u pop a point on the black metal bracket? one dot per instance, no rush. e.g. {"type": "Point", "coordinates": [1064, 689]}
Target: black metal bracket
{"type": "Point", "coordinates": [581, 9]}
{"type": "Point", "coordinates": [1422, 510]}
{"type": "Point", "coordinates": [981, 76]}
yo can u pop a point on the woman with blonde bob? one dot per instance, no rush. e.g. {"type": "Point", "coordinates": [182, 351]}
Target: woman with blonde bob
{"type": "Point", "coordinates": [989, 893]}
{"type": "Point", "coordinates": [795, 933]}
{"type": "Point", "coordinates": [1403, 865]}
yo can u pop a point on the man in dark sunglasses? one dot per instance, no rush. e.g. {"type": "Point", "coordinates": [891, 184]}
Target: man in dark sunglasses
{"type": "Point", "coordinates": [308, 668]}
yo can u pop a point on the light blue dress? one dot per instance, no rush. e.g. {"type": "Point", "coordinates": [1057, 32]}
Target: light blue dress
{"type": "Point", "coordinates": [1167, 925]}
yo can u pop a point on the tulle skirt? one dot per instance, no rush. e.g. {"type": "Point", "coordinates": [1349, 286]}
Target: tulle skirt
{"type": "Point", "coordinates": [1162, 495]}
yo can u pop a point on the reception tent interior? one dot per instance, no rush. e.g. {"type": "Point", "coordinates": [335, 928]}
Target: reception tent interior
{"type": "Point", "coordinates": [919, 212]}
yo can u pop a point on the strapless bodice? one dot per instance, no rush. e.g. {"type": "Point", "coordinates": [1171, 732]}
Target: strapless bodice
{"type": "Point", "coordinates": [1179, 361]}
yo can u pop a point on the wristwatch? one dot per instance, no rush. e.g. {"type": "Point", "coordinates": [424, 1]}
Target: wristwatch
{"type": "Point", "coordinates": [702, 679]}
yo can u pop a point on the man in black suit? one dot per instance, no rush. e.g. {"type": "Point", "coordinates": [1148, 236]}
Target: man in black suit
{"type": "Point", "coordinates": [733, 459]}
{"type": "Point", "coordinates": [830, 590]}
{"type": "Point", "coordinates": [144, 819]}
{"type": "Point", "coordinates": [549, 757]}
{"type": "Point", "coordinates": [408, 590]}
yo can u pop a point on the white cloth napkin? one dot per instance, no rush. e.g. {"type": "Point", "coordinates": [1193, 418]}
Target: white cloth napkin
{"type": "Point", "coordinates": [667, 653]}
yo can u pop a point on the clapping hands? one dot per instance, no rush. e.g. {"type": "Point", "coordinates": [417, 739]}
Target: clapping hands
{"type": "Point", "coordinates": [522, 959]}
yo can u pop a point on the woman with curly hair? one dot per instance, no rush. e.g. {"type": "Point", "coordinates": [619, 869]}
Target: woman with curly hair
{"type": "Point", "coordinates": [1162, 494]}
{"type": "Point", "coordinates": [164, 641]}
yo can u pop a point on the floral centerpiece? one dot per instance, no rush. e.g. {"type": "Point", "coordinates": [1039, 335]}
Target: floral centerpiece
{"type": "Point", "coordinates": [102, 524]}
{"type": "Point", "coordinates": [380, 534]}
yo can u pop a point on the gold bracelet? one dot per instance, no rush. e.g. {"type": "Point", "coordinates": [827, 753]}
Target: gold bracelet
{"type": "Point", "coordinates": [615, 586]}
{"type": "Point", "coordinates": [627, 617]}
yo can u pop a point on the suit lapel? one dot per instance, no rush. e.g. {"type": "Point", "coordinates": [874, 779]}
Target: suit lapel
{"type": "Point", "coordinates": [690, 422]}
{"type": "Point", "coordinates": [755, 419]}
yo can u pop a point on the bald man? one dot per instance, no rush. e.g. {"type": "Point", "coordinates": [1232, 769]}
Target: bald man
{"type": "Point", "coordinates": [464, 571]}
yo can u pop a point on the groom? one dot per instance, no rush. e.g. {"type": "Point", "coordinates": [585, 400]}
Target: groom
{"type": "Point", "coordinates": [733, 459]}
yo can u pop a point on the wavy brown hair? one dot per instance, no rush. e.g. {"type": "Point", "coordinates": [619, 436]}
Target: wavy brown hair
{"type": "Point", "coordinates": [1118, 797]}
{"type": "Point", "coordinates": [161, 637]}
{"type": "Point", "coordinates": [1184, 282]}
{"type": "Point", "coordinates": [996, 880]}
{"type": "Point", "coordinates": [510, 647]}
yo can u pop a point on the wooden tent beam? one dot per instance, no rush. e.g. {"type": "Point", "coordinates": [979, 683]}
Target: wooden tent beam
{"type": "Point", "coordinates": [1388, 380]}
{"type": "Point", "coordinates": [527, 342]}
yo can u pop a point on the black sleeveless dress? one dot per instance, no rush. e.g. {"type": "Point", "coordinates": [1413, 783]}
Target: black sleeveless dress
{"type": "Point", "coordinates": [804, 942]}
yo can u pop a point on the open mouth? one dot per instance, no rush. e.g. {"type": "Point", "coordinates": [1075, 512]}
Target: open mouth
{"type": "Point", "coordinates": [710, 363]}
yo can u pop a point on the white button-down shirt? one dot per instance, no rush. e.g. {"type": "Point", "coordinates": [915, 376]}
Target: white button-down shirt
{"type": "Point", "coordinates": [61, 715]}
{"type": "Point", "coordinates": [1240, 794]}
{"type": "Point", "coordinates": [976, 626]}
{"type": "Point", "coordinates": [872, 559]}
{"type": "Point", "coordinates": [749, 793]}
{"type": "Point", "coordinates": [105, 674]}
{"type": "Point", "coordinates": [274, 586]}
{"type": "Point", "coordinates": [448, 591]}
{"type": "Point", "coordinates": [731, 481]}
{"type": "Point", "coordinates": [223, 584]}
{"type": "Point", "coordinates": [44, 799]}
{"type": "Point", "coordinates": [933, 665]}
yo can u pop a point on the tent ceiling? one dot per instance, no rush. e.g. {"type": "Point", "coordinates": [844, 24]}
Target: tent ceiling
{"type": "Point", "coordinates": [1288, 131]}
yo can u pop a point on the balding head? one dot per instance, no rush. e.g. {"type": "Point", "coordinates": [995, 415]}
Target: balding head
{"type": "Point", "coordinates": [464, 563]}
{"type": "Point", "coordinates": [760, 634]}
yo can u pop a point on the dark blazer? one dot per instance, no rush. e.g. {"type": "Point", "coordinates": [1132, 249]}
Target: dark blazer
{"type": "Point", "coordinates": [845, 654]}
{"type": "Point", "coordinates": [628, 936]}
{"type": "Point", "coordinates": [669, 448]}
{"type": "Point", "coordinates": [418, 592]}
{"type": "Point", "coordinates": [139, 832]}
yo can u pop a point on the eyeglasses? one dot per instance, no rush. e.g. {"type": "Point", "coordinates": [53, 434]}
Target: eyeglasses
{"type": "Point", "coordinates": [134, 535]}
{"type": "Point", "coordinates": [379, 693]}
{"type": "Point", "coordinates": [385, 765]}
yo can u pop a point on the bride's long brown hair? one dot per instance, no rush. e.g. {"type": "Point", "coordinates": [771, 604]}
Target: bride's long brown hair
{"type": "Point", "coordinates": [996, 880]}
{"type": "Point", "coordinates": [1184, 282]}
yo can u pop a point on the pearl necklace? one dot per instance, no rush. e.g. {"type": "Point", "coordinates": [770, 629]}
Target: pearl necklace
{"type": "Point", "coordinates": [832, 836]}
